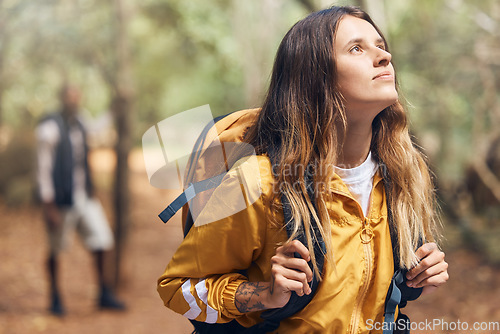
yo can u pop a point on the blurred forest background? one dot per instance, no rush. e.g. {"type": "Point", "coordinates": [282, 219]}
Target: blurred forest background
{"type": "Point", "coordinates": [139, 62]}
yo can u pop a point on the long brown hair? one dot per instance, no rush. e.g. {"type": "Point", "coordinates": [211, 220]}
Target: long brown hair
{"type": "Point", "coordinates": [298, 128]}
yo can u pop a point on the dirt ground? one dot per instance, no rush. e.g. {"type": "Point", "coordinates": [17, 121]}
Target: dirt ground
{"type": "Point", "coordinates": [471, 295]}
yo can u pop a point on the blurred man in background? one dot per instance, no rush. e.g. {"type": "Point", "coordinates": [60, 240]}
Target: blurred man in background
{"type": "Point", "coordinates": [65, 189]}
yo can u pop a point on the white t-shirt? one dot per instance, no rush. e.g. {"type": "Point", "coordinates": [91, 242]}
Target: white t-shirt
{"type": "Point", "coordinates": [359, 181]}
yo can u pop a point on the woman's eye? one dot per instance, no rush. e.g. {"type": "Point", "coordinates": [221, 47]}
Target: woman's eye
{"type": "Point", "coordinates": [355, 48]}
{"type": "Point", "coordinates": [382, 47]}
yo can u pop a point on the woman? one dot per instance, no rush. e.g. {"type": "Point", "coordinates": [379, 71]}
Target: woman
{"type": "Point", "coordinates": [331, 112]}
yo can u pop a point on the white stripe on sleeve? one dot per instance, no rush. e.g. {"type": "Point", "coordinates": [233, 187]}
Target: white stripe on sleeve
{"type": "Point", "coordinates": [194, 310]}
{"type": "Point", "coordinates": [201, 290]}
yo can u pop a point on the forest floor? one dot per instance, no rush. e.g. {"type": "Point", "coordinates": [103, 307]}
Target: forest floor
{"type": "Point", "coordinates": [471, 295]}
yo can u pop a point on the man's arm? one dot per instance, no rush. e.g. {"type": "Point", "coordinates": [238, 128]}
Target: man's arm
{"type": "Point", "coordinates": [47, 134]}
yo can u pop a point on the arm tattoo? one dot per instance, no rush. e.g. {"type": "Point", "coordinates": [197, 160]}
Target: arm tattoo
{"type": "Point", "coordinates": [245, 298]}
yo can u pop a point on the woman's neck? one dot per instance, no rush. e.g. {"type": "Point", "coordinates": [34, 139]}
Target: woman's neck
{"type": "Point", "coordinates": [356, 145]}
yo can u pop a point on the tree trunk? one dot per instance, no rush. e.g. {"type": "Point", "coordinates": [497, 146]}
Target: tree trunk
{"type": "Point", "coordinates": [122, 107]}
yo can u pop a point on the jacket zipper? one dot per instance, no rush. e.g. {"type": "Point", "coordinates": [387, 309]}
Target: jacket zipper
{"type": "Point", "coordinates": [366, 236]}
{"type": "Point", "coordinates": [366, 279]}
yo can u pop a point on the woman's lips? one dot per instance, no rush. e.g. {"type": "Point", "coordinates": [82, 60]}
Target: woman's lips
{"type": "Point", "coordinates": [384, 76]}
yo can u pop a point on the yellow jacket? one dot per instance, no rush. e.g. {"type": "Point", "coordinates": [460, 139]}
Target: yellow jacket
{"type": "Point", "coordinates": [202, 277]}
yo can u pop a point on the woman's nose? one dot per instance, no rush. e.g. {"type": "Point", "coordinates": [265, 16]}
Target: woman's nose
{"type": "Point", "coordinates": [383, 58]}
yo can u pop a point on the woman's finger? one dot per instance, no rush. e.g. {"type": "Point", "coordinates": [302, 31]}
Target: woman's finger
{"type": "Point", "coordinates": [293, 275]}
{"type": "Point", "coordinates": [434, 270]}
{"type": "Point", "coordinates": [431, 258]}
{"type": "Point", "coordinates": [293, 263]}
{"type": "Point", "coordinates": [294, 246]}
{"type": "Point", "coordinates": [283, 284]}
{"type": "Point", "coordinates": [435, 280]}
{"type": "Point", "coordinates": [426, 249]}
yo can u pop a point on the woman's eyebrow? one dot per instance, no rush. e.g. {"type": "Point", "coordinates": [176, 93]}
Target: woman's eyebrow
{"type": "Point", "coordinates": [358, 40]}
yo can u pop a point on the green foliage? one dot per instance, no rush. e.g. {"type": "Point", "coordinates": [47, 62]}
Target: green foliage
{"type": "Point", "coordinates": [435, 49]}
{"type": "Point", "coordinates": [185, 54]}
{"type": "Point", "coordinates": [190, 53]}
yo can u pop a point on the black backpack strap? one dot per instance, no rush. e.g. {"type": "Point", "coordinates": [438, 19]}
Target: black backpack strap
{"type": "Point", "coordinates": [399, 294]}
{"type": "Point", "coordinates": [191, 191]}
{"type": "Point", "coordinates": [392, 301]}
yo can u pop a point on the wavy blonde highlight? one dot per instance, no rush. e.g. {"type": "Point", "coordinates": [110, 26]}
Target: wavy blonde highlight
{"type": "Point", "coordinates": [410, 190]}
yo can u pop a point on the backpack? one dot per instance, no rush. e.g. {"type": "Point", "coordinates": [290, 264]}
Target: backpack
{"type": "Point", "coordinates": [229, 130]}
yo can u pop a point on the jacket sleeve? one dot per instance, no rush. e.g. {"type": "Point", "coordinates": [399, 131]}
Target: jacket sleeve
{"type": "Point", "coordinates": [202, 277]}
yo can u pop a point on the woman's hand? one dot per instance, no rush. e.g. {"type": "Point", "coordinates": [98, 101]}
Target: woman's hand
{"type": "Point", "coordinates": [289, 273]}
{"type": "Point", "coordinates": [432, 270]}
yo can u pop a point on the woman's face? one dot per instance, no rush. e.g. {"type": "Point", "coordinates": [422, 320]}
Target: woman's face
{"type": "Point", "coordinates": [364, 69]}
